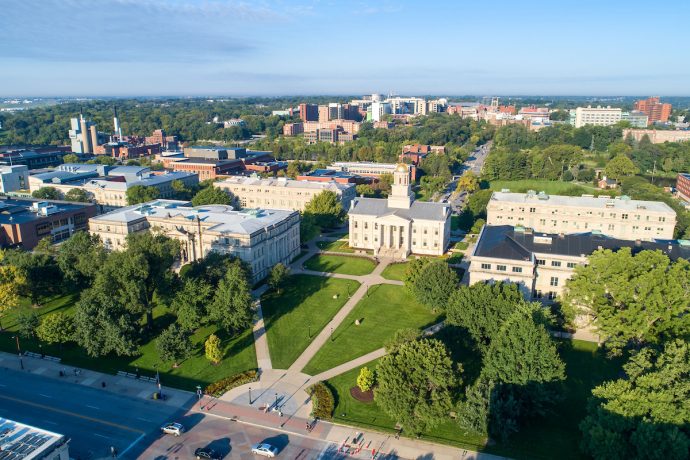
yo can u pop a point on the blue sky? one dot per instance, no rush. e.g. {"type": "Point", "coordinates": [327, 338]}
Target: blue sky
{"type": "Point", "coordinates": [190, 47]}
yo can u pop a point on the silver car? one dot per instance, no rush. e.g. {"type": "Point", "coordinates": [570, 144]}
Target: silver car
{"type": "Point", "coordinates": [173, 428]}
{"type": "Point", "coordinates": [266, 450]}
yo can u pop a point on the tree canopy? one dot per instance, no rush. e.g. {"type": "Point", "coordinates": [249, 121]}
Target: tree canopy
{"type": "Point", "coordinates": [434, 285]}
{"type": "Point", "coordinates": [620, 166]}
{"type": "Point", "coordinates": [47, 193]}
{"type": "Point", "coordinates": [141, 194]}
{"type": "Point", "coordinates": [326, 209]}
{"type": "Point", "coordinates": [211, 195]}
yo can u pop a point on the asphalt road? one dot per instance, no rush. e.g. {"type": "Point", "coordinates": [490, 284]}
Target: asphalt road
{"type": "Point", "coordinates": [474, 163]}
{"type": "Point", "coordinates": [233, 440]}
{"type": "Point", "coordinates": [94, 420]}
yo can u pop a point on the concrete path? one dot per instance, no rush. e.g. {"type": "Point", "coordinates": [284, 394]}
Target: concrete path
{"type": "Point", "coordinates": [263, 356]}
{"type": "Point", "coordinates": [348, 366]}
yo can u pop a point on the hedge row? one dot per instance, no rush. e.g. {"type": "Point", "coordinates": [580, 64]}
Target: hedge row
{"type": "Point", "coordinates": [228, 383]}
{"type": "Point", "coordinates": [322, 399]}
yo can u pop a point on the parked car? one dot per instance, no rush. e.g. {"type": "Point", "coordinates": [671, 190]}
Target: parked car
{"type": "Point", "coordinates": [266, 450]}
{"type": "Point", "coordinates": [173, 428]}
{"type": "Point", "coordinates": [207, 453]}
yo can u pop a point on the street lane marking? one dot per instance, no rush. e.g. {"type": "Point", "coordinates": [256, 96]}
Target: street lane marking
{"type": "Point", "coordinates": [1, 385]}
{"type": "Point", "coordinates": [73, 414]}
{"type": "Point", "coordinates": [122, 454]}
{"type": "Point", "coordinates": [101, 436]}
{"type": "Point", "coordinates": [45, 396]}
{"type": "Point", "coordinates": [48, 421]}
{"type": "Point", "coordinates": [144, 419]}
{"type": "Point", "coordinates": [93, 407]}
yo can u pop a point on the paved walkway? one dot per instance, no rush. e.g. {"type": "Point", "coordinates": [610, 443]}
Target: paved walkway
{"type": "Point", "coordinates": [263, 356]}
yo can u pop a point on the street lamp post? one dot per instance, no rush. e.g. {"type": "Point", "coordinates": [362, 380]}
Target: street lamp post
{"type": "Point", "coordinates": [309, 329]}
{"type": "Point", "coordinates": [250, 396]}
{"type": "Point", "coordinates": [198, 393]}
{"type": "Point", "coordinates": [331, 333]}
{"type": "Point", "coordinates": [276, 400]}
{"type": "Point", "coordinates": [19, 353]}
{"type": "Point", "coordinates": [158, 382]}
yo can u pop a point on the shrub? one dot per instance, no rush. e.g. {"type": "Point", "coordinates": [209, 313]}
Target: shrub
{"type": "Point", "coordinates": [462, 245]}
{"type": "Point", "coordinates": [217, 389]}
{"type": "Point", "coordinates": [322, 400]}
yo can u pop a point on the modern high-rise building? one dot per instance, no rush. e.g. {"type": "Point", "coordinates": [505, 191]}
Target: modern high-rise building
{"type": "Point", "coordinates": [83, 135]}
{"type": "Point", "coordinates": [598, 116]}
{"type": "Point", "coordinates": [324, 113]}
{"type": "Point", "coordinates": [309, 112]}
{"type": "Point", "coordinates": [654, 109]}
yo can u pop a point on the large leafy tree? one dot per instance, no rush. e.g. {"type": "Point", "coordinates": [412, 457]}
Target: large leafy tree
{"type": "Point", "coordinates": [174, 344]}
{"type": "Point", "coordinates": [104, 325]}
{"type": "Point", "coordinates": [232, 302]}
{"type": "Point", "coordinates": [434, 285]}
{"type": "Point", "coordinates": [12, 281]}
{"type": "Point", "coordinates": [468, 182]}
{"type": "Point", "coordinates": [56, 328]}
{"type": "Point", "coordinates": [212, 349]}
{"type": "Point", "coordinates": [141, 194]}
{"type": "Point", "coordinates": [77, 194]}
{"type": "Point", "coordinates": [190, 303]}
{"type": "Point", "coordinates": [211, 195]}
{"type": "Point", "coordinates": [413, 272]}
{"type": "Point", "coordinates": [47, 193]}
{"type": "Point", "coordinates": [633, 299]}
{"type": "Point", "coordinates": [621, 166]}
{"type": "Point", "coordinates": [278, 276]}
{"type": "Point", "coordinates": [38, 268]}
{"type": "Point", "coordinates": [326, 209]}
{"type": "Point", "coordinates": [415, 384]}
{"type": "Point", "coordinates": [646, 414]}
{"type": "Point", "coordinates": [80, 257]}
{"type": "Point", "coordinates": [482, 308]}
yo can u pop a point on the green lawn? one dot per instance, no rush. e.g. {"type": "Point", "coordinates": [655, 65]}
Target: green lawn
{"type": "Point", "coordinates": [335, 246]}
{"type": "Point", "coordinates": [586, 367]}
{"type": "Point", "coordinates": [239, 352]}
{"type": "Point", "coordinates": [346, 265]}
{"type": "Point", "coordinates": [454, 222]}
{"type": "Point", "coordinates": [395, 271]}
{"type": "Point", "coordinates": [550, 187]}
{"type": "Point", "coordinates": [304, 307]}
{"type": "Point", "coordinates": [387, 309]}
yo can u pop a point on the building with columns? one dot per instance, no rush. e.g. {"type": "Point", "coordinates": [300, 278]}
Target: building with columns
{"type": "Point", "coordinates": [399, 226]}
{"type": "Point", "coordinates": [262, 238]}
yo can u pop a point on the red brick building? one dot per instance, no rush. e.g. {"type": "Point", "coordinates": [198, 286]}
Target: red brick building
{"type": "Point", "coordinates": [207, 169]}
{"type": "Point", "coordinates": [683, 186]}
{"type": "Point", "coordinates": [655, 110]}
{"type": "Point", "coordinates": [309, 112]}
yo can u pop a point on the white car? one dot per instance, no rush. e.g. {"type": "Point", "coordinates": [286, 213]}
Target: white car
{"type": "Point", "coordinates": [266, 450]}
{"type": "Point", "coordinates": [173, 428]}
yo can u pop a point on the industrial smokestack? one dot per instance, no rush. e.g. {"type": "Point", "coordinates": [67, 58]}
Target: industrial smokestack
{"type": "Point", "coordinates": [116, 124]}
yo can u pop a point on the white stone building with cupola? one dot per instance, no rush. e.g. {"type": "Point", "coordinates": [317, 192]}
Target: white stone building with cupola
{"type": "Point", "coordinates": [398, 226]}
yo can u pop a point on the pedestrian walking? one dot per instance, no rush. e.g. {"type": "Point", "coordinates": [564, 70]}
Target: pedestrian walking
{"type": "Point", "coordinates": [113, 452]}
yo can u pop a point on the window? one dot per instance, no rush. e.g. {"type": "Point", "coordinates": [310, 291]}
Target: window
{"type": "Point", "coordinates": [501, 268]}
{"type": "Point", "coordinates": [517, 269]}
{"type": "Point", "coordinates": [554, 281]}
{"type": "Point", "coordinates": [541, 262]}
{"type": "Point", "coordinates": [555, 263]}
{"type": "Point", "coordinates": [542, 221]}
{"type": "Point", "coordinates": [376, 226]}
{"type": "Point", "coordinates": [611, 226]}
{"type": "Point", "coordinates": [571, 265]}
{"type": "Point", "coordinates": [366, 225]}
{"type": "Point", "coordinates": [624, 216]}
{"type": "Point", "coordinates": [662, 219]}
{"type": "Point", "coordinates": [486, 266]}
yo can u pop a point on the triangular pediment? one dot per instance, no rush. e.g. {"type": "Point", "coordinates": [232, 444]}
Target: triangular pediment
{"type": "Point", "coordinates": [393, 219]}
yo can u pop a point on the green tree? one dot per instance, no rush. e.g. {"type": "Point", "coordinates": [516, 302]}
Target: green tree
{"type": "Point", "coordinates": [232, 302]}
{"type": "Point", "coordinates": [366, 379]}
{"type": "Point", "coordinates": [434, 285]}
{"type": "Point", "coordinates": [308, 229]}
{"type": "Point", "coordinates": [182, 192]}
{"type": "Point", "coordinates": [401, 337]}
{"type": "Point", "coordinates": [211, 195]}
{"type": "Point", "coordinates": [78, 195]}
{"type": "Point", "coordinates": [189, 304]}
{"type": "Point", "coordinates": [56, 328]}
{"type": "Point", "coordinates": [27, 323]}
{"type": "Point", "coordinates": [645, 414]}
{"type": "Point", "coordinates": [278, 276]}
{"type": "Point", "coordinates": [80, 257]}
{"type": "Point", "coordinates": [620, 166]}
{"type": "Point", "coordinates": [482, 308]}
{"type": "Point", "coordinates": [212, 349]}
{"type": "Point", "coordinates": [326, 209]}
{"type": "Point", "coordinates": [104, 325]}
{"type": "Point", "coordinates": [47, 193]}
{"type": "Point", "coordinates": [70, 158]}
{"type": "Point", "coordinates": [413, 272]}
{"type": "Point", "coordinates": [38, 268]}
{"type": "Point", "coordinates": [477, 226]}
{"type": "Point", "coordinates": [141, 194]}
{"type": "Point", "coordinates": [632, 299]}
{"type": "Point", "coordinates": [174, 344]}
{"type": "Point", "coordinates": [468, 182]}
{"type": "Point", "coordinates": [12, 282]}
{"type": "Point", "coordinates": [416, 383]}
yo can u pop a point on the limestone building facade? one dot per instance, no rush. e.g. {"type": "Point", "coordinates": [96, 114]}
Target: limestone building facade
{"type": "Point", "coordinates": [399, 226]}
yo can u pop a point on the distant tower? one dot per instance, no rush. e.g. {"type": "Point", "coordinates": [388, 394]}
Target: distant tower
{"type": "Point", "coordinates": [116, 125]}
{"type": "Point", "coordinates": [401, 191]}
{"type": "Point", "coordinates": [494, 104]}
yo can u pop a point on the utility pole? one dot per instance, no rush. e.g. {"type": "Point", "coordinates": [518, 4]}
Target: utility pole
{"type": "Point", "coordinates": [19, 352]}
{"type": "Point", "coordinates": [653, 172]}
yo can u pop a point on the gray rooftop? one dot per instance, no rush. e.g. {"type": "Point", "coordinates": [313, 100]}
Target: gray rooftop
{"type": "Point", "coordinates": [287, 183]}
{"type": "Point", "coordinates": [602, 202]}
{"type": "Point", "coordinates": [515, 243]}
{"type": "Point", "coordinates": [226, 219]}
{"type": "Point", "coordinates": [378, 207]}
{"type": "Point", "coordinates": [18, 211]}
{"type": "Point", "coordinates": [19, 441]}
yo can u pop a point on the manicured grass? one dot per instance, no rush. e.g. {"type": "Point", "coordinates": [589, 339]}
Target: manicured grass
{"type": "Point", "coordinates": [462, 245]}
{"type": "Point", "coordinates": [335, 246]}
{"type": "Point", "coordinates": [239, 352]}
{"type": "Point", "coordinates": [550, 187]}
{"type": "Point", "coordinates": [387, 309]}
{"type": "Point", "coordinates": [305, 306]}
{"type": "Point", "coordinates": [556, 435]}
{"type": "Point", "coordinates": [395, 271]}
{"type": "Point", "coordinates": [346, 265]}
